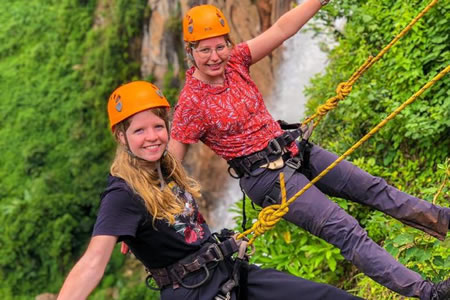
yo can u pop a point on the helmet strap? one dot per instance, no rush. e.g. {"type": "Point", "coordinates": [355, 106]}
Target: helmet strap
{"type": "Point", "coordinates": [162, 183]}
{"type": "Point", "coordinates": [128, 149]}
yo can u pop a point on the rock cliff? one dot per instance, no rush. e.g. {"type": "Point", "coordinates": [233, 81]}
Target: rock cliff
{"type": "Point", "coordinates": [162, 57]}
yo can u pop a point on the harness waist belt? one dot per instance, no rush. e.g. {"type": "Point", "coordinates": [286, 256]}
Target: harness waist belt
{"type": "Point", "coordinates": [274, 150]}
{"type": "Point", "coordinates": [210, 252]}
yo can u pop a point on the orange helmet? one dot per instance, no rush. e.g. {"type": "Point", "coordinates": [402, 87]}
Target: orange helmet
{"type": "Point", "coordinates": [132, 98]}
{"type": "Point", "coordinates": [204, 21]}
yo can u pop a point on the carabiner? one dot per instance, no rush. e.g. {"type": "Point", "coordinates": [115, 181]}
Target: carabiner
{"type": "Point", "coordinates": [180, 281]}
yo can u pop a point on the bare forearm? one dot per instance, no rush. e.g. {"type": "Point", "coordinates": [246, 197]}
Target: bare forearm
{"type": "Point", "coordinates": [178, 149]}
{"type": "Point", "coordinates": [292, 21]}
{"type": "Point", "coordinates": [88, 271]}
{"type": "Point", "coordinates": [80, 282]}
{"type": "Point", "coordinates": [285, 27]}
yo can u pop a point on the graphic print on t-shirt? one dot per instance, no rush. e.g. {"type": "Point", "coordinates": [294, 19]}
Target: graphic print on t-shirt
{"type": "Point", "coordinates": [189, 222]}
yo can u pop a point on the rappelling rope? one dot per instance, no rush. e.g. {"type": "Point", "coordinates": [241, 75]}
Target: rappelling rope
{"type": "Point", "coordinates": [271, 215]}
{"type": "Point", "coordinates": [344, 88]}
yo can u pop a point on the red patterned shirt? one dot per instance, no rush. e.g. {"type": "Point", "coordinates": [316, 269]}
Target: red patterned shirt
{"type": "Point", "coordinates": [231, 119]}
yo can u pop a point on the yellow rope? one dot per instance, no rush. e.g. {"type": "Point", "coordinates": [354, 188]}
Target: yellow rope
{"type": "Point", "coordinates": [272, 214]}
{"type": "Point", "coordinates": [344, 88]}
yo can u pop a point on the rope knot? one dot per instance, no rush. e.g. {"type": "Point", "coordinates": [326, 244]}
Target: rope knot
{"type": "Point", "coordinates": [343, 90]}
{"type": "Point", "coordinates": [327, 106]}
{"type": "Point", "coordinates": [269, 217]}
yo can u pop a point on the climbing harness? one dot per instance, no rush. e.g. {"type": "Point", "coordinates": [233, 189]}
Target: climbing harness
{"type": "Point", "coordinates": [269, 157]}
{"type": "Point", "coordinates": [275, 156]}
{"type": "Point", "coordinates": [238, 276]}
{"type": "Point", "coordinates": [221, 246]}
{"type": "Point", "coordinates": [204, 259]}
{"type": "Point", "coordinates": [299, 163]}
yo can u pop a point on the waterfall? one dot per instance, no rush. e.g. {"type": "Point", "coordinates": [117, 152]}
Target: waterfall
{"type": "Point", "coordinates": [301, 60]}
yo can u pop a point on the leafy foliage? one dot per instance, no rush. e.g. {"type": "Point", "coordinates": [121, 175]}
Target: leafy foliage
{"type": "Point", "coordinates": [411, 152]}
{"type": "Point", "coordinates": [290, 249]}
{"type": "Point", "coordinates": [58, 67]}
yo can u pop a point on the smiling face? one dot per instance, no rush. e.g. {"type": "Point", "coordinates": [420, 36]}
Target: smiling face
{"type": "Point", "coordinates": [211, 55]}
{"type": "Point", "coordinates": [147, 136]}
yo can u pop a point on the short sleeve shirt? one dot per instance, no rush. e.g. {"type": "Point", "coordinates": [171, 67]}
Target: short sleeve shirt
{"type": "Point", "coordinates": [123, 213]}
{"type": "Point", "coordinates": [231, 119]}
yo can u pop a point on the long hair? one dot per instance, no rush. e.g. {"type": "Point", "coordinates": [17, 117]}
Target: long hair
{"type": "Point", "coordinates": [142, 177]}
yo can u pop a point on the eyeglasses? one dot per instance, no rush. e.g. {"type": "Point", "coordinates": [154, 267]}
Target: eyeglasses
{"type": "Point", "coordinates": [207, 52]}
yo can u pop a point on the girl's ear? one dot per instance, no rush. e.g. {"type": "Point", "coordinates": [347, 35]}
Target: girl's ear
{"type": "Point", "coordinates": [189, 53]}
{"type": "Point", "coordinates": [190, 56]}
{"type": "Point", "coordinates": [122, 138]}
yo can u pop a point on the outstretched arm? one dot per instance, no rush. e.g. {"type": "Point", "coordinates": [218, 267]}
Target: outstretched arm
{"type": "Point", "coordinates": [285, 27]}
{"type": "Point", "coordinates": [178, 149]}
{"type": "Point", "coordinates": [88, 271]}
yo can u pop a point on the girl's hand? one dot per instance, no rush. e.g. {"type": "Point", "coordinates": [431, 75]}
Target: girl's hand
{"type": "Point", "coordinates": [124, 249]}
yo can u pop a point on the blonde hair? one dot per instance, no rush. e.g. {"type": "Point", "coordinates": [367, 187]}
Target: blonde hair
{"type": "Point", "coordinates": [142, 177]}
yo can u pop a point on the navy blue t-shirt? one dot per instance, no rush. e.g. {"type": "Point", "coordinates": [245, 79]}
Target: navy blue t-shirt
{"type": "Point", "coordinates": [123, 213]}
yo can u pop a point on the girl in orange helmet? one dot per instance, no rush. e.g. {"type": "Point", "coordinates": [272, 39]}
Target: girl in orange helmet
{"type": "Point", "coordinates": [149, 203]}
{"type": "Point", "coordinates": [221, 106]}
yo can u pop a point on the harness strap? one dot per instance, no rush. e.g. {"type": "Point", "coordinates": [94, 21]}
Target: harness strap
{"type": "Point", "coordinates": [209, 253]}
{"type": "Point", "coordinates": [275, 193]}
{"type": "Point", "coordinates": [246, 164]}
{"type": "Point", "coordinates": [238, 276]}
{"type": "Point", "coordinates": [298, 163]}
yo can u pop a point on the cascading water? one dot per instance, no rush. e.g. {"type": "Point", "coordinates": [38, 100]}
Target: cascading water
{"type": "Point", "coordinates": [302, 58]}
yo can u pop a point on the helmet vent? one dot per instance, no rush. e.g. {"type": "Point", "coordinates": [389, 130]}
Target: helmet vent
{"type": "Point", "coordinates": [118, 102]}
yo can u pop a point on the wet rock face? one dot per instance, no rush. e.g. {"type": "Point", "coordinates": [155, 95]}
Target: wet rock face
{"type": "Point", "coordinates": [163, 48]}
{"type": "Point", "coordinates": [163, 51]}
{"type": "Point", "coordinates": [161, 42]}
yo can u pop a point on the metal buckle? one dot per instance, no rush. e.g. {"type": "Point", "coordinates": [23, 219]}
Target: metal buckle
{"type": "Point", "coordinates": [274, 147]}
{"type": "Point", "coordinates": [294, 163]}
{"type": "Point", "coordinates": [306, 131]}
{"type": "Point", "coordinates": [217, 250]}
{"type": "Point", "coordinates": [180, 280]}
{"type": "Point", "coordinates": [236, 174]}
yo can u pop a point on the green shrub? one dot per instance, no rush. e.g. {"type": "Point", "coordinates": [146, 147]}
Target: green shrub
{"type": "Point", "coordinates": [58, 69]}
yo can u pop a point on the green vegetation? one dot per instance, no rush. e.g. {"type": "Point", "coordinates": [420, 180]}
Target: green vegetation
{"type": "Point", "coordinates": [411, 152]}
{"type": "Point", "coordinates": [59, 61]}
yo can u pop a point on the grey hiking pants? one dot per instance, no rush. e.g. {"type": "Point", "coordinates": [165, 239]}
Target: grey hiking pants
{"type": "Point", "coordinates": [322, 217]}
